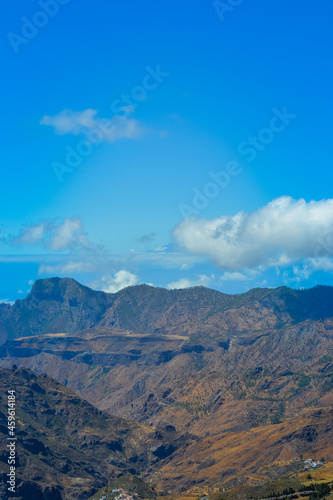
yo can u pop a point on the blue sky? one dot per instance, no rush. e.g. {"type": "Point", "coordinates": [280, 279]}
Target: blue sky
{"type": "Point", "coordinates": [211, 163]}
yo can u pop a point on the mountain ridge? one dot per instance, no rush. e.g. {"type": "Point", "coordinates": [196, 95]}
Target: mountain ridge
{"type": "Point", "coordinates": [63, 304]}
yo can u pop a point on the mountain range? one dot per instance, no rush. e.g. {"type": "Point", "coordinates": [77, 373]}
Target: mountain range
{"type": "Point", "coordinates": [63, 305]}
{"type": "Point", "coordinates": [244, 381]}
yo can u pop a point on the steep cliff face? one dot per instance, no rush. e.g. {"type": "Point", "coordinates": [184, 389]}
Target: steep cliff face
{"type": "Point", "coordinates": [54, 305]}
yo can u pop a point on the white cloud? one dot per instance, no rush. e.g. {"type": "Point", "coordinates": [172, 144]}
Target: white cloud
{"type": "Point", "coordinates": [55, 236]}
{"type": "Point", "coordinates": [67, 234]}
{"type": "Point", "coordinates": [201, 280]}
{"type": "Point", "coordinates": [301, 273]}
{"type": "Point", "coordinates": [237, 276]}
{"type": "Point", "coordinates": [96, 129]}
{"type": "Point", "coordinates": [321, 264]}
{"type": "Point", "coordinates": [297, 274]}
{"type": "Point", "coordinates": [71, 122]}
{"type": "Point", "coordinates": [7, 301]}
{"type": "Point", "coordinates": [121, 279]}
{"type": "Point", "coordinates": [68, 268]}
{"type": "Point", "coordinates": [283, 232]}
{"type": "Point", "coordinates": [30, 235]}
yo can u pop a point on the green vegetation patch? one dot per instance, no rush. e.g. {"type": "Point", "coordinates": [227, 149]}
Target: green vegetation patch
{"type": "Point", "coordinates": [304, 381]}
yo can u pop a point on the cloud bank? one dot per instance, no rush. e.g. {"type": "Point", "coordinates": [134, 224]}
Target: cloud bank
{"type": "Point", "coordinates": [283, 232]}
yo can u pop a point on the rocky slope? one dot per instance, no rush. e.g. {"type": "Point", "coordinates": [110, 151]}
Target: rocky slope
{"type": "Point", "coordinates": [68, 449]}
